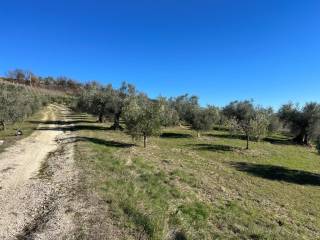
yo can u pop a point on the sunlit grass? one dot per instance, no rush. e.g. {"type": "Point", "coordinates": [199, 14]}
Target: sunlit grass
{"type": "Point", "coordinates": [27, 126]}
{"type": "Point", "coordinates": [206, 188]}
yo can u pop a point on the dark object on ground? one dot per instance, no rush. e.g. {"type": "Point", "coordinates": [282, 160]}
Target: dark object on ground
{"type": "Point", "coordinates": [19, 132]}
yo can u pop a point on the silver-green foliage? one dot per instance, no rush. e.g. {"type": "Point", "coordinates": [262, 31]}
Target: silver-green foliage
{"type": "Point", "coordinates": [18, 102]}
{"type": "Point", "coordinates": [168, 114]}
{"type": "Point", "coordinates": [142, 117]}
{"type": "Point", "coordinates": [244, 117]}
{"type": "Point", "coordinates": [304, 123]}
{"type": "Point", "coordinates": [203, 119]}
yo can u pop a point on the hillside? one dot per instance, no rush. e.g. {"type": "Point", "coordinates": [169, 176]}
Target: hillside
{"type": "Point", "coordinates": [207, 188]}
{"type": "Point", "coordinates": [34, 89]}
{"type": "Point", "coordinates": [96, 182]}
{"type": "Point", "coordinates": [160, 120]}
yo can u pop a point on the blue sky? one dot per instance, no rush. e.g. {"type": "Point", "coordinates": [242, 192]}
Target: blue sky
{"type": "Point", "coordinates": [219, 50]}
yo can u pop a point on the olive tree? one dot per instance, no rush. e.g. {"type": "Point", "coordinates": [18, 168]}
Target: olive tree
{"type": "Point", "coordinates": [84, 101]}
{"type": "Point", "coordinates": [185, 106]}
{"type": "Point", "coordinates": [168, 115]}
{"type": "Point", "coordinates": [304, 123]}
{"type": "Point", "coordinates": [142, 117]}
{"type": "Point", "coordinates": [203, 119]}
{"type": "Point", "coordinates": [260, 123]}
{"type": "Point", "coordinates": [245, 118]}
{"type": "Point", "coordinates": [117, 98]}
{"type": "Point", "coordinates": [92, 100]}
{"type": "Point", "coordinates": [274, 124]}
{"type": "Point", "coordinates": [105, 101]}
{"type": "Point", "coordinates": [5, 109]}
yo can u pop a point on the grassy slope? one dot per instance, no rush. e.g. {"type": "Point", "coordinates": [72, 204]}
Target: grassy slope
{"type": "Point", "coordinates": [27, 127]}
{"type": "Point", "coordinates": [208, 188]}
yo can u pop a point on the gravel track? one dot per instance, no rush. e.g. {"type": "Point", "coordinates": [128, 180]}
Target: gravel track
{"type": "Point", "coordinates": [38, 183]}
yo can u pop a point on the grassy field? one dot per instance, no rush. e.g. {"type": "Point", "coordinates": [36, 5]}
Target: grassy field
{"type": "Point", "coordinates": [181, 187]}
{"type": "Point", "coordinates": [27, 127]}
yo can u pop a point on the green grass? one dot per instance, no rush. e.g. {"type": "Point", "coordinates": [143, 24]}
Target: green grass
{"type": "Point", "coordinates": [207, 188]}
{"type": "Point", "coordinates": [27, 127]}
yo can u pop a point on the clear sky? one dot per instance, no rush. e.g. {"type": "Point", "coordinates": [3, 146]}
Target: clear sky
{"type": "Point", "coordinates": [219, 50]}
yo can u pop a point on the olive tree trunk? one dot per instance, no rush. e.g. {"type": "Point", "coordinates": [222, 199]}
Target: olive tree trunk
{"type": "Point", "coordinates": [3, 125]}
{"type": "Point", "coordinates": [144, 140]}
{"type": "Point", "coordinates": [248, 139]}
{"type": "Point", "coordinates": [100, 118]}
{"type": "Point", "coordinates": [302, 139]}
{"type": "Point", "coordinates": [116, 122]}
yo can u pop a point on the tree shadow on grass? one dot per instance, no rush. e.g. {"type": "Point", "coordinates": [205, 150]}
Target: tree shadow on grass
{"type": "Point", "coordinates": [62, 122]}
{"type": "Point", "coordinates": [76, 116]}
{"type": "Point", "coordinates": [101, 142]}
{"type": "Point", "coordinates": [221, 128]}
{"type": "Point", "coordinates": [75, 128]}
{"type": "Point", "coordinates": [214, 147]}
{"type": "Point", "coordinates": [272, 140]}
{"type": "Point", "coordinates": [278, 173]}
{"type": "Point", "coordinates": [279, 141]}
{"type": "Point", "coordinates": [72, 125]}
{"type": "Point", "coordinates": [226, 136]}
{"type": "Point", "coordinates": [175, 135]}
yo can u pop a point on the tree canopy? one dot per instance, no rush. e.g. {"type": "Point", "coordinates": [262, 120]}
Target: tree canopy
{"type": "Point", "coordinates": [304, 123]}
{"type": "Point", "coordinates": [244, 117]}
{"type": "Point", "coordinates": [142, 117]}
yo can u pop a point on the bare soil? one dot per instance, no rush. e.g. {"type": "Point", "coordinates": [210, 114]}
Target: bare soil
{"type": "Point", "coordinates": [39, 182]}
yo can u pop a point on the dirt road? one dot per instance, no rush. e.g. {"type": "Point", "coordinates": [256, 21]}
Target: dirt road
{"type": "Point", "coordinates": [37, 182]}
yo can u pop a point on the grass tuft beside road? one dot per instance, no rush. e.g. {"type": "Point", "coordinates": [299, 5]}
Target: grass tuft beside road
{"type": "Point", "coordinates": [182, 187]}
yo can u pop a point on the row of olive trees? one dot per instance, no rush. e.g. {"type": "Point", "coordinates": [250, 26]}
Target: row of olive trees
{"type": "Point", "coordinates": [105, 102]}
{"type": "Point", "coordinates": [18, 102]}
{"type": "Point", "coordinates": [144, 117]}
{"type": "Point", "coordinates": [255, 122]}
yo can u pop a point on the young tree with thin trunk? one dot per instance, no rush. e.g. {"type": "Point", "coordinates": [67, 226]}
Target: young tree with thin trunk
{"type": "Point", "coordinates": [245, 118]}
{"type": "Point", "coordinates": [142, 117]}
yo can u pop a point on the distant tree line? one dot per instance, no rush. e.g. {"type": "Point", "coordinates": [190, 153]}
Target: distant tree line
{"type": "Point", "coordinates": [26, 77]}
